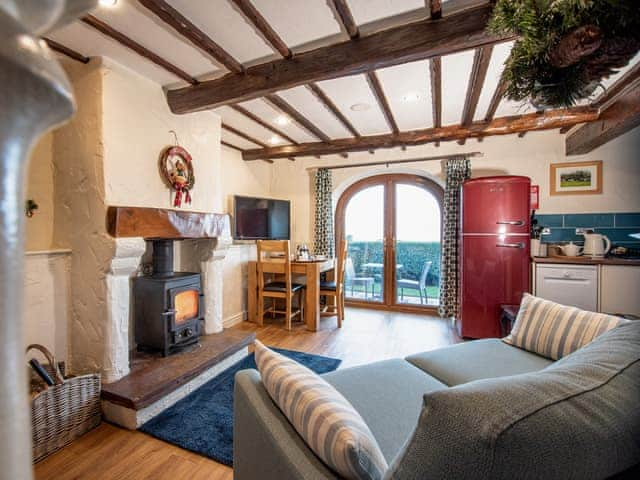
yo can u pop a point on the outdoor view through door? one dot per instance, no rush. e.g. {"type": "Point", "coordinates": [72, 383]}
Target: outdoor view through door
{"type": "Point", "coordinates": [393, 225]}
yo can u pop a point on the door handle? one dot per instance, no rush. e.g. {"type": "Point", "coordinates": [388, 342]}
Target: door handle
{"type": "Point", "coordinates": [517, 223]}
{"type": "Point", "coordinates": [168, 313]}
{"type": "Point", "coordinates": [511, 245]}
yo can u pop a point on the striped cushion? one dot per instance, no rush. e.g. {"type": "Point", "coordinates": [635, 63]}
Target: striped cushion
{"type": "Point", "coordinates": [553, 330]}
{"type": "Point", "coordinates": [326, 420]}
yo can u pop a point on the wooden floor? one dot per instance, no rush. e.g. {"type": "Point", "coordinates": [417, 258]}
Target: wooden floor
{"type": "Point", "coordinates": [109, 452]}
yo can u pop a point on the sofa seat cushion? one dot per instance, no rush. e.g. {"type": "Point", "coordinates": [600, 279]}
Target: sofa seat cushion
{"type": "Point", "coordinates": [577, 418]}
{"type": "Point", "coordinates": [477, 359]}
{"type": "Point", "coordinates": [388, 396]}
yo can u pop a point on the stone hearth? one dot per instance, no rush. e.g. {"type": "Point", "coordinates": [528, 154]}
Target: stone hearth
{"type": "Point", "coordinates": [155, 383]}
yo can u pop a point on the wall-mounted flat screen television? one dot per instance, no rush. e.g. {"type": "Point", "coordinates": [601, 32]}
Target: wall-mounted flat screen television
{"type": "Point", "coordinates": [261, 218]}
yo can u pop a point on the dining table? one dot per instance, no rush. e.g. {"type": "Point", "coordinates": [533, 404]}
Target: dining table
{"type": "Point", "coordinates": [310, 269]}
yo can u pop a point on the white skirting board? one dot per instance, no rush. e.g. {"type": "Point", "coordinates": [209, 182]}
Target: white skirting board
{"type": "Point", "coordinates": [234, 319]}
{"type": "Point", "coordinates": [133, 419]}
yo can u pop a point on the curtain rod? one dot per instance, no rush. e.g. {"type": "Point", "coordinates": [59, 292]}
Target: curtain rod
{"type": "Point", "coordinates": [395, 162]}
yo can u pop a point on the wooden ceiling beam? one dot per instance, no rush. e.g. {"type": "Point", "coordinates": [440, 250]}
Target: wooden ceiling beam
{"type": "Point", "coordinates": [378, 92]}
{"type": "Point", "coordinates": [193, 34]}
{"type": "Point", "coordinates": [64, 50]}
{"type": "Point", "coordinates": [421, 40]}
{"type": "Point", "coordinates": [260, 23]}
{"type": "Point", "coordinates": [481, 60]}
{"type": "Point", "coordinates": [551, 119]}
{"type": "Point", "coordinates": [346, 18]}
{"type": "Point", "coordinates": [621, 114]}
{"type": "Point", "coordinates": [332, 107]}
{"type": "Point", "coordinates": [259, 121]}
{"type": "Point", "coordinates": [131, 44]}
{"type": "Point", "coordinates": [296, 116]}
{"type": "Point", "coordinates": [498, 94]}
{"type": "Point", "coordinates": [435, 9]}
{"type": "Point", "coordinates": [229, 145]}
{"type": "Point", "coordinates": [241, 134]}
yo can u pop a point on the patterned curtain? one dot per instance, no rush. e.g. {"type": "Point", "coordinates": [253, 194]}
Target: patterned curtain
{"type": "Point", "coordinates": [457, 170]}
{"type": "Point", "coordinates": [323, 238]}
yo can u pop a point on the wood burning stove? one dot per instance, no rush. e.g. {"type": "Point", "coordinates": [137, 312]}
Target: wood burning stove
{"type": "Point", "coordinates": [168, 305]}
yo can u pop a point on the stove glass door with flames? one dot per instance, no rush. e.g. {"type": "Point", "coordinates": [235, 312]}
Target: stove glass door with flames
{"type": "Point", "coordinates": [186, 304]}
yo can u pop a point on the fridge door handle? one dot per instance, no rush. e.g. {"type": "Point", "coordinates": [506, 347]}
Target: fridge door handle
{"type": "Point", "coordinates": [511, 245]}
{"type": "Point", "coordinates": [517, 223]}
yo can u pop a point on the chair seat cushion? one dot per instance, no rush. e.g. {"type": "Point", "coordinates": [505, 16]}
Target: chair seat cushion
{"type": "Point", "coordinates": [327, 285]}
{"type": "Point", "coordinates": [282, 287]}
{"type": "Point", "coordinates": [477, 359]}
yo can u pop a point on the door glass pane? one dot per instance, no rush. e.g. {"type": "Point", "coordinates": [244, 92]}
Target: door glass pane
{"type": "Point", "coordinates": [364, 230]}
{"type": "Point", "coordinates": [417, 246]}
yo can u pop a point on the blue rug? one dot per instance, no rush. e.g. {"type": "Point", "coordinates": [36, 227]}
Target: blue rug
{"type": "Point", "coordinates": [202, 422]}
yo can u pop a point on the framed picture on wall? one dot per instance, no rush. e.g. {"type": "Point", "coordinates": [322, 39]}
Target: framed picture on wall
{"type": "Point", "coordinates": [576, 178]}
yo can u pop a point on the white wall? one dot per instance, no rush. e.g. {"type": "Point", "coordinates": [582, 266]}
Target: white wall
{"type": "Point", "coordinates": [136, 127]}
{"type": "Point", "coordinates": [530, 156]}
{"type": "Point", "coordinates": [46, 300]}
{"type": "Point", "coordinates": [39, 228]}
{"type": "Point", "coordinates": [240, 178]}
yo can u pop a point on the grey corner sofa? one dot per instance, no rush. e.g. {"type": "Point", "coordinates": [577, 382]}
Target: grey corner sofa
{"type": "Point", "coordinates": [476, 410]}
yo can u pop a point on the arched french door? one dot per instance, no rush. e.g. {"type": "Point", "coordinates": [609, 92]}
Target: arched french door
{"type": "Point", "coordinates": [393, 225]}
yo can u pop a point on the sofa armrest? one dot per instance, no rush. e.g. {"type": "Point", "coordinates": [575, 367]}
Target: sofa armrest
{"type": "Point", "coordinates": [265, 444]}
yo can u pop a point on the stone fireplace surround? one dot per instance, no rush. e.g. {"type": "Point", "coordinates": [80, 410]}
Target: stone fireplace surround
{"type": "Point", "coordinates": [205, 237]}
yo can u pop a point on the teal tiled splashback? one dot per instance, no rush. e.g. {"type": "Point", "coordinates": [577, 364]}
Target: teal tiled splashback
{"type": "Point", "coordinates": [616, 226]}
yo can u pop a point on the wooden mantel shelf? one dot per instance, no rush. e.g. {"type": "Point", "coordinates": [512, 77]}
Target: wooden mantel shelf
{"type": "Point", "coordinates": [168, 224]}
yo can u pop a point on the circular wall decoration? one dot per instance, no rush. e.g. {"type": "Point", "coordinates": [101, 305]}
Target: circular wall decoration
{"type": "Point", "coordinates": [176, 169]}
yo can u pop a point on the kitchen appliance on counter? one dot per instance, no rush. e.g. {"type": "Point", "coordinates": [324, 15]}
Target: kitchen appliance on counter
{"type": "Point", "coordinates": [596, 244]}
{"type": "Point", "coordinates": [495, 248]}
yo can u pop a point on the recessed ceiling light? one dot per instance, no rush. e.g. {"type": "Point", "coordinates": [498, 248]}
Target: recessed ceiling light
{"type": "Point", "coordinates": [360, 107]}
{"type": "Point", "coordinates": [275, 140]}
{"type": "Point", "coordinates": [108, 3]}
{"type": "Point", "coordinates": [411, 97]}
{"type": "Point", "coordinates": [282, 120]}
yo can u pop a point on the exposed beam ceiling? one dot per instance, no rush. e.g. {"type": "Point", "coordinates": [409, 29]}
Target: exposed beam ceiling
{"type": "Point", "coordinates": [620, 112]}
{"type": "Point", "coordinates": [188, 30]}
{"type": "Point", "coordinates": [58, 47]}
{"type": "Point", "coordinates": [267, 125]}
{"type": "Point", "coordinates": [136, 47]}
{"type": "Point", "coordinates": [481, 61]}
{"type": "Point", "coordinates": [551, 119]}
{"type": "Point", "coordinates": [247, 137]}
{"type": "Point", "coordinates": [383, 102]}
{"type": "Point", "coordinates": [346, 18]}
{"type": "Point", "coordinates": [261, 24]}
{"type": "Point", "coordinates": [496, 99]}
{"type": "Point", "coordinates": [229, 145]}
{"type": "Point", "coordinates": [297, 117]}
{"type": "Point", "coordinates": [406, 43]}
{"type": "Point", "coordinates": [328, 103]}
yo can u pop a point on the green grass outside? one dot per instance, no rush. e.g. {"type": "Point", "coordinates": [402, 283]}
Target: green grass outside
{"type": "Point", "coordinates": [432, 291]}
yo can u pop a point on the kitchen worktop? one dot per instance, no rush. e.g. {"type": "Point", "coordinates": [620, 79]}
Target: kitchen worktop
{"type": "Point", "coordinates": [585, 260]}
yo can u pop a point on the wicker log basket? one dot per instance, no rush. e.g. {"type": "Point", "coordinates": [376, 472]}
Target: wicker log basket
{"type": "Point", "coordinates": [62, 412]}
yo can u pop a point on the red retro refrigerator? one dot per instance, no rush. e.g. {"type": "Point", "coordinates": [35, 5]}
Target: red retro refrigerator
{"type": "Point", "coordinates": [494, 257]}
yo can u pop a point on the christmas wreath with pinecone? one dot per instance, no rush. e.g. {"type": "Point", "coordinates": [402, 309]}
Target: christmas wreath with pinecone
{"type": "Point", "coordinates": [565, 47]}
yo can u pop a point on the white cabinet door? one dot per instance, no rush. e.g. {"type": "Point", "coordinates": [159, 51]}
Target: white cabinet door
{"type": "Point", "coordinates": [620, 289]}
{"type": "Point", "coordinates": [575, 285]}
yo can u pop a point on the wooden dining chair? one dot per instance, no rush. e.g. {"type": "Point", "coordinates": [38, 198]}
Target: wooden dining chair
{"type": "Point", "coordinates": [274, 257]}
{"type": "Point", "coordinates": [336, 288]}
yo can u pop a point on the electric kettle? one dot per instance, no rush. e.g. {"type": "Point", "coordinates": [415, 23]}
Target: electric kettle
{"type": "Point", "coordinates": [596, 245]}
